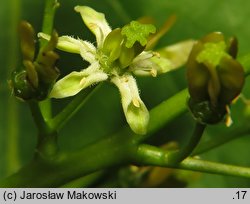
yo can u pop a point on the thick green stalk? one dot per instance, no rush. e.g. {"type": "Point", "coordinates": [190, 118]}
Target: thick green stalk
{"type": "Point", "coordinates": [115, 151]}
{"type": "Point", "coordinates": [150, 155]}
{"type": "Point", "coordinates": [47, 137]}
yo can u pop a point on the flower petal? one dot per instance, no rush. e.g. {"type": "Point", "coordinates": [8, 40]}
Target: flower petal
{"type": "Point", "coordinates": [96, 22]}
{"type": "Point", "coordinates": [231, 74]}
{"type": "Point", "coordinates": [65, 43]}
{"type": "Point", "coordinates": [87, 51]}
{"type": "Point", "coordinates": [150, 64]}
{"type": "Point", "coordinates": [74, 82]}
{"type": "Point", "coordinates": [134, 109]}
{"type": "Point", "coordinates": [177, 53]}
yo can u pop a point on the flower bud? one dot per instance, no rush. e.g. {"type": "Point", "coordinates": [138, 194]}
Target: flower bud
{"type": "Point", "coordinates": [27, 40]}
{"type": "Point", "coordinates": [214, 76]}
{"type": "Point", "coordinates": [37, 76]}
{"type": "Point", "coordinates": [21, 86]}
{"type": "Point", "coordinates": [46, 59]}
{"type": "Point", "coordinates": [205, 113]}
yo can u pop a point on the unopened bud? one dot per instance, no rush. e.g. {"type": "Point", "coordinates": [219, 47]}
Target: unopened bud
{"type": "Point", "coordinates": [27, 40]}
{"type": "Point", "coordinates": [214, 77]}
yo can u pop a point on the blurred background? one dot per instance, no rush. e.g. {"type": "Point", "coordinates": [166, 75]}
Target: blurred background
{"type": "Point", "coordinates": [102, 115]}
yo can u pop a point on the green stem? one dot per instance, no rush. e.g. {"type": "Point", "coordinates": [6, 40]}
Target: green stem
{"type": "Point", "coordinates": [41, 125]}
{"type": "Point", "coordinates": [47, 27]}
{"type": "Point", "coordinates": [72, 108]}
{"type": "Point", "coordinates": [47, 147]}
{"type": "Point", "coordinates": [47, 137]}
{"type": "Point", "coordinates": [150, 155]}
{"type": "Point", "coordinates": [214, 168]}
{"type": "Point", "coordinates": [192, 143]}
{"type": "Point", "coordinates": [12, 148]}
{"type": "Point", "coordinates": [48, 18]}
{"type": "Point", "coordinates": [45, 107]}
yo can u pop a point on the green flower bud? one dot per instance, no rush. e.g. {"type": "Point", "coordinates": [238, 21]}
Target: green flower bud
{"type": "Point", "coordinates": [31, 73]}
{"type": "Point", "coordinates": [214, 76]}
{"type": "Point", "coordinates": [21, 86]}
{"type": "Point", "coordinates": [24, 89]}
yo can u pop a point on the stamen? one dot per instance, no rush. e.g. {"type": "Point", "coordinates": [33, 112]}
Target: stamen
{"type": "Point", "coordinates": [153, 72]}
{"type": "Point", "coordinates": [136, 102]}
{"type": "Point", "coordinates": [228, 120]}
{"type": "Point", "coordinates": [83, 81]}
{"type": "Point", "coordinates": [156, 54]}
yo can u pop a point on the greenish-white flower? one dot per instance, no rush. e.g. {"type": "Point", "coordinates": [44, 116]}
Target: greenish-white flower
{"type": "Point", "coordinates": [118, 54]}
